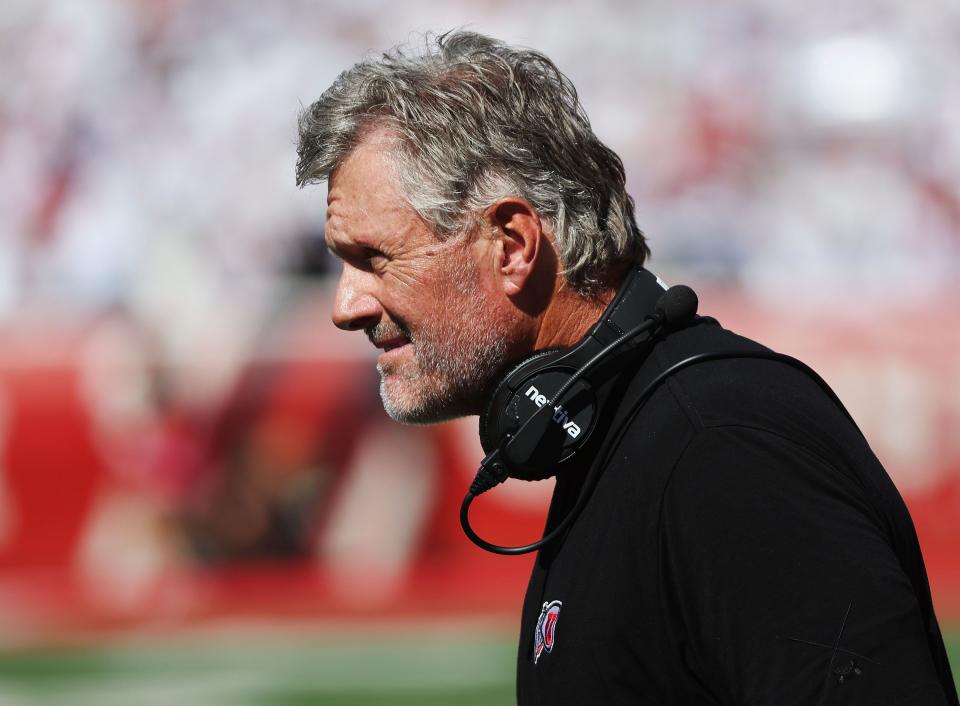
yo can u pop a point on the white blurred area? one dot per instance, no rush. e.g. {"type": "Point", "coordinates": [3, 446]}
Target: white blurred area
{"type": "Point", "coordinates": [147, 147]}
{"type": "Point", "coordinates": [800, 160]}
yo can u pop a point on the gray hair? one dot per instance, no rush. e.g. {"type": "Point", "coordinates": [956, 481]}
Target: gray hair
{"type": "Point", "coordinates": [476, 120]}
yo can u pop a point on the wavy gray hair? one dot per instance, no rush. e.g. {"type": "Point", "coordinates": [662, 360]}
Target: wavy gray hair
{"type": "Point", "coordinates": [477, 120]}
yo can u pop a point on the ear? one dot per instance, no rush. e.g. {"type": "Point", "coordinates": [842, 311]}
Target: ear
{"type": "Point", "coordinates": [519, 238]}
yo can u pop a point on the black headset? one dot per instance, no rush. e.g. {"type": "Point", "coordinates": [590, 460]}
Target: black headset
{"type": "Point", "coordinates": [552, 438]}
{"type": "Point", "coordinates": [543, 413]}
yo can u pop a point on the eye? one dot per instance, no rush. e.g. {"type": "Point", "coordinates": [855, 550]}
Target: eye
{"type": "Point", "coordinates": [374, 257]}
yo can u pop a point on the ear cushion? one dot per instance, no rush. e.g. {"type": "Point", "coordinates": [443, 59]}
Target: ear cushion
{"type": "Point", "coordinates": [491, 420]}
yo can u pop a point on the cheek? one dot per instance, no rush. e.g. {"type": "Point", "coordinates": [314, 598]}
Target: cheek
{"type": "Point", "coordinates": [404, 307]}
{"type": "Point", "coordinates": [445, 294]}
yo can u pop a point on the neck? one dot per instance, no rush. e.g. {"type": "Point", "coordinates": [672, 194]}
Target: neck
{"type": "Point", "coordinates": [569, 316]}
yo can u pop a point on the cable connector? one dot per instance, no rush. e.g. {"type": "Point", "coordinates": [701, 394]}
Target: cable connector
{"type": "Point", "coordinates": [491, 474]}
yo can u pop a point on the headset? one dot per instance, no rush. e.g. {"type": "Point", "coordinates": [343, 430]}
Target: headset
{"type": "Point", "coordinates": [543, 414]}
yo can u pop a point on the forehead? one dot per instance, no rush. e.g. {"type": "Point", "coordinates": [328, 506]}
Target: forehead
{"type": "Point", "coordinates": [364, 205]}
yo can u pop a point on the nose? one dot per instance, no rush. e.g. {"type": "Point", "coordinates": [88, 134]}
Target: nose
{"type": "Point", "coordinates": [355, 306]}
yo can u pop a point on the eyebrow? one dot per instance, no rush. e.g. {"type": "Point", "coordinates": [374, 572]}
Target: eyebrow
{"type": "Point", "coordinates": [333, 250]}
{"type": "Point", "coordinates": [336, 249]}
{"type": "Point", "coordinates": [351, 251]}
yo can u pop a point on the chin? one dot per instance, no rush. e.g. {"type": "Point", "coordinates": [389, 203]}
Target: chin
{"type": "Point", "coordinates": [415, 407]}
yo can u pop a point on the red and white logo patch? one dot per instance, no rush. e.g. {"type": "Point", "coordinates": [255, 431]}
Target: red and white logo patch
{"type": "Point", "coordinates": [546, 629]}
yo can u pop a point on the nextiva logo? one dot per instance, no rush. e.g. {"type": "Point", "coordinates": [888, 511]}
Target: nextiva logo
{"type": "Point", "coordinates": [560, 415]}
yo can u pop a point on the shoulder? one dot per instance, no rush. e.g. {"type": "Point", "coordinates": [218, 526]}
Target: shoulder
{"type": "Point", "coordinates": [722, 421]}
{"type": "Point", "coordinates": [765, 395]}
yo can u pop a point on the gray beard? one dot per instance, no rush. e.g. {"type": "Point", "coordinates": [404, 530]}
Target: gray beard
{"type": "Point", "coordinates": [453, 375]}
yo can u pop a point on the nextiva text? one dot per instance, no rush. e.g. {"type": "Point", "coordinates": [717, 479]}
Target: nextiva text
{"type": "Point", "coordinates": [559, 413]}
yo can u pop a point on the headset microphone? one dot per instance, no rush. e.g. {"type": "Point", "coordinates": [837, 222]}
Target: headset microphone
{"type": "Point", "coordinates": [677, 306]}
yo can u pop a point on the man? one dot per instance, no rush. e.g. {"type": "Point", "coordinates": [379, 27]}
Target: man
{"type": "Point", "coordinates": [742, 545]}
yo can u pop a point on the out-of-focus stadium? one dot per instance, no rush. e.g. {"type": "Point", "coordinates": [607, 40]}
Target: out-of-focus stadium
{"type": "Point", "coordinates": [201, 499]}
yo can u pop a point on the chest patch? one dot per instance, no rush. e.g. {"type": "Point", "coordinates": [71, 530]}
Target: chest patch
{"type": "Point", "coordinates": [545, 635]}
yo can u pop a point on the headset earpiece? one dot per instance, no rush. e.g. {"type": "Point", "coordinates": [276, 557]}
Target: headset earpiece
{"type": "Point", "coordinates": [529, 386]}
{"type": "Point", "coordinates": [491, 425]}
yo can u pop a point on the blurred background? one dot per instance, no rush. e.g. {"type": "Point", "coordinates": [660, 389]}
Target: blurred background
{"type": "Point", "coordinates": [201, 500]}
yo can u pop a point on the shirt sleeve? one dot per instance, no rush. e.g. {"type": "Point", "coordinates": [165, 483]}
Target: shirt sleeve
{"type": "Point", "coordinates": [780, 582]}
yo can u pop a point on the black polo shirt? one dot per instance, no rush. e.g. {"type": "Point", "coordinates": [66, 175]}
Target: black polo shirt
{"type": "Point", "coordinates": [742, 546]}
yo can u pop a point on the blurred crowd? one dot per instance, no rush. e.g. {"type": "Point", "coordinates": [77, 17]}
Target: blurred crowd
{"type": "Point", "coordinates": [152, 241]}
{"type": "Point", "coordinates": [147, 153]}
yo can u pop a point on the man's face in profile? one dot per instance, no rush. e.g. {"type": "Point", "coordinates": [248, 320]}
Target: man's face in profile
{"type": "Point", "coordinates": [420, 299]}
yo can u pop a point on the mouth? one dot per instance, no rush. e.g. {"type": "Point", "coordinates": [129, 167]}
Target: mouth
{"type": "Point", "coordinates": [391, 347]}
{"type": "Point", "coordinates": [389, 337]}
{"type": "Point", "coordinates": [390, 344]}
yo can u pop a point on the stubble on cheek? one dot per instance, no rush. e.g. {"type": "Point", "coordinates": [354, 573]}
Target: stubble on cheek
{"type": "Point", "coordinates": [446, 374]}
{"type": "Point", "coordinates": [456, 350]}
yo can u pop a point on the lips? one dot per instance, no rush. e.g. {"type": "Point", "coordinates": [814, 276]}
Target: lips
{"type": "Point", "coordinates": [391, 343]}
{"type": "Point", "coordinates": [390, 338]}
{"type": "Point", "coordinates": [393, 348]}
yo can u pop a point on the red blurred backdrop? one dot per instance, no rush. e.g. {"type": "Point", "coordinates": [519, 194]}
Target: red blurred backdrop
{"type": "Point", "coordinates": [294, 496]}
